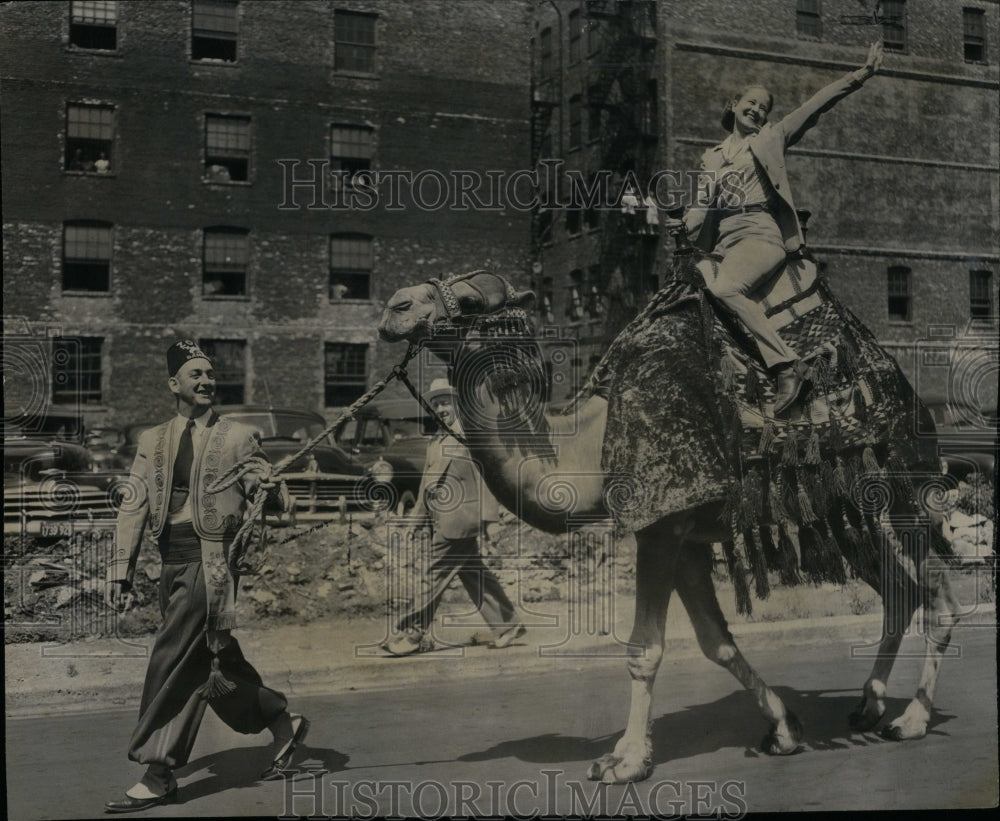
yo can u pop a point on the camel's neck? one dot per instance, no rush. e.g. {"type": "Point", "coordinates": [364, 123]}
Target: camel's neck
{"type": "Point", "coordinates": [545, 469]}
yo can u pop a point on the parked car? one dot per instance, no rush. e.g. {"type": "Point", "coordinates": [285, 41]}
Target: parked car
{"type": "Point", "coordinates": [53, 488]}
{"type": "Point", "coordinates": [395, 431]}
{"type": "Point", "coordinates": [966, 438]}
{"type": "Point", "coordinates": [325, 481]}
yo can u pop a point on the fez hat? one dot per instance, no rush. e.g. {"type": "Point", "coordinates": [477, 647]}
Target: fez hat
{"type": "Point", "coordinates": [181, 352]}
{"type": "Point", "coordinates": [439, 387]}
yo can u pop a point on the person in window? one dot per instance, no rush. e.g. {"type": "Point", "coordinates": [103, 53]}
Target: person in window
{"type": "Point", "coordinates": [101, 164]}
{"type": "Point", "coordinates": [78, 163]}
{"type": "Point", "coordinates": [746, 213]}
{"type": "Point", "coordinates": [195, 661]}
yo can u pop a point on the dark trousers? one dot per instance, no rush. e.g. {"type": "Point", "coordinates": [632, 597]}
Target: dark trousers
{"type": "Point", "coordinates": [460, 557]}
{"type": "Point", "coordinates": [171, 709]}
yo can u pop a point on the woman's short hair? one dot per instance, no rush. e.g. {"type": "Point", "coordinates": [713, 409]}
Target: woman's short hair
{"type": "Point", "coordinates": [729, 117]}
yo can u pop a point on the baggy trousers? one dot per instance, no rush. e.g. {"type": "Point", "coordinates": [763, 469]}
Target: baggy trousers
{"type": "Point", "coordinates": [172, 710]}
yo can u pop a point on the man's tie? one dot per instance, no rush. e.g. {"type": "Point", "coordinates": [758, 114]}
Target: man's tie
{"type": "Point", "coordinates": [185, 457]}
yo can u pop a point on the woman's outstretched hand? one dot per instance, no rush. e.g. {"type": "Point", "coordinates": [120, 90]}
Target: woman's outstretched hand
{"type": "Point", "coordinates": [875, 55]}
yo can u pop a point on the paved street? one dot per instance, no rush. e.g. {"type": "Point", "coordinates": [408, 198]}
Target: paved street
{"type": "Point", "coordinates": [522, 745]}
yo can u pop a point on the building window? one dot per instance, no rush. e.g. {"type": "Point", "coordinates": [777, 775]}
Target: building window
{"type": "Point", "coordinates": [351, 150]}
{"type": "Point", "coordinates": [575, 36]}
{"type": "Point", "coordinates": [86, 257]}
{"type": "Point", "coordinates": [981, 295]}
{"type": "Point", "coordinates": [808, 21]}
{"type": "Point", "coordinates": [76, 370]}
{"type": "Point", "coordinates": [224, 262]}
{"type": "Point", "coordinates": [354, 41]}
{"type": "Point", "coordinates": [345, 373]}
{"type": "Point", "coordinates": [545, 54]}
{"type": "Point", "coordinates": [89, 136]}
{"type": "Point", "coordinates": [213, 30]}
{"type": "Point", "coordinates": [974, 35]}
{"type": "Point", "coordinates": [574, 302]}
{"type": "Point", "coordinates": [894, 24]}
{"type": "Point", "coordinates": [594, 297]}
{"type": "Point", "coordinates": [575, 121]}
{"type": "Point", "coordinates": [227, 148]}
{"type": "Point", "coordinates": [899, 293]}
{"type": "Point", "coordinates": [229, 360]}
{"type": "Point", "coordinates": [351, 263]}
{"type": "Point", "coordinates": [94, 24]}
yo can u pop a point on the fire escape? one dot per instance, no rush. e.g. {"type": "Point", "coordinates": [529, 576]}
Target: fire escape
{"type": "Point", "coordinates": [622, 94]}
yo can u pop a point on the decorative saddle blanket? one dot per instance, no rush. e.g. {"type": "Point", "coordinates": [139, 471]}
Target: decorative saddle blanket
{"type": "Point", "coordinates": [690, 421]}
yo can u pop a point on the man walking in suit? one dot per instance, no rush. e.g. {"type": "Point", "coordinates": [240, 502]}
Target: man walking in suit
{"type": "Point", "coordinates": [195, 661]}
{"type": "Point", "coordinates": [458, 506]}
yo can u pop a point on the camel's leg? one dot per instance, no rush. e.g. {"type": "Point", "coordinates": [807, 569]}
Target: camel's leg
{"type": "Point", "coordinates": [656, 560]}
{"type": "Point", "coordinates": [694, 586]}
{"type": "Point", "coordinates": [940, 615]}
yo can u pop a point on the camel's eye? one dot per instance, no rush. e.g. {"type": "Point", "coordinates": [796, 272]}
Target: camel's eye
{"type": "Point", "coordinates": [403, 306]}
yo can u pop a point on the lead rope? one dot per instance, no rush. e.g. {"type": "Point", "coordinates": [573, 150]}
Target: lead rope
{"type": "Point", "coordinates": [266, 471]}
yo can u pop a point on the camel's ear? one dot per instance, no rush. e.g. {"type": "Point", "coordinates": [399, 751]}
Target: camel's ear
{"type": "Point", "coordinates": [523, 299]}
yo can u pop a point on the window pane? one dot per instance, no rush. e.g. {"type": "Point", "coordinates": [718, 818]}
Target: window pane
{"type": "Point", "coordinates": [354, 28]}
{"type": "Point", "coordinates": [214, 18]}
{"type": "Point", "coordinates": [87, 242]}
{"type": "Point", "coordinates": [90, 122]}
{"type": "Point", "coordinates": [76, 370]}
{"type": "Point", "coordinates": [351, 252]}
{"type": "Point", "coordinates": [345, 370]}
{"type": "Point", "coordinates": [351, 141]}
{"type": "Point", "coordinates": [229, 361]}
{"type": "Point", "coordinates": [225, 251]}
{"type": "Point", "coordinates": [95, 12]}
{"type": "Point", "coordinates": [227, 135]}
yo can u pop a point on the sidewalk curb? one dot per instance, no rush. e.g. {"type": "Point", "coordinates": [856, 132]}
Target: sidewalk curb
{"type": "Point", "coordinates": [64, 679]}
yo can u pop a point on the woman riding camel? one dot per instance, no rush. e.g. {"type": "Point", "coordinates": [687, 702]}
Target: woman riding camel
{"type": "Point", "coordinates": [745, 210]}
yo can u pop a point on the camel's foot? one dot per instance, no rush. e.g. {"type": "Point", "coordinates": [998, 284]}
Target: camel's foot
{"type": "Point", "coordinates": [625, 764]}
{"type": "Point", "coordinates": [784, 737]}
{"type": "Point", "coordinates": [912, 724]}
{"type": "Point", "coordinates": [867, 714]}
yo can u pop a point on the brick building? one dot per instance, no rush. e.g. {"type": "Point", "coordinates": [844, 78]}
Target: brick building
{"type": "Point", "coordinates": [900, 178]}
{"type": "Point", "coordinates": [180, 169]}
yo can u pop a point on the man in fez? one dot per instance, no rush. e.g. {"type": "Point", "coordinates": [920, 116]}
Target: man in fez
{"type": "Point", "coordinates": [195, 662]}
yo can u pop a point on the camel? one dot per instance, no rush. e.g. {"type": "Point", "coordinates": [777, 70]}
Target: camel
{"type": "Point", "coordinates": [548, 468]}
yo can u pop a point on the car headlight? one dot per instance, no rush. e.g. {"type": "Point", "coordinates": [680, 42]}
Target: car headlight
{"type": "Point", "coordinates": [381, 471]}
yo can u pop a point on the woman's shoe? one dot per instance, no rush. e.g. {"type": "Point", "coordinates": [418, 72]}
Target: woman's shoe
{"type": "Point", "coordinates": [281, 762]}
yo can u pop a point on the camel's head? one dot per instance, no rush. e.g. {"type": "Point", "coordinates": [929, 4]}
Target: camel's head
{"type": "Point", "coordinates": [413, 313]}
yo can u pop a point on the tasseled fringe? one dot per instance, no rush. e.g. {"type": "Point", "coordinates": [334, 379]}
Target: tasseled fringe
{"type": "Point", "coordinates": [789, 569]}
{"type": "Point", "coordinates": [899, 476]}
{"type": "Point", "coordinates": [771, 555]}
{"type": "Point", "coordinates": [752, 387]}
{"type": "Point", "coordinates": [869, 461]}
{"type": "Point", "coordinates": [848, 359]}
{"type": "Point", "coordinates": [821, 559]}
{"type": "Point", "coordinates": [822, 373]}
{"type": "Point", "coordinates": [758, 562]}
{"type": "Point", "coordinates": [752, 506]}
{"type": "Point", "coordinates": [834, 439]}
{"type": "Point", "coordinates": [789, 498]}
{"type": "Point", "coordinates": [766, 438]}
{"type": "Point", "coordinates": [812, 483]}
{"type": "Point", "coordinates": [217, 684]}
{"type": "Point", "coordinates": [841, 483]}
{"type": "Point", "coordinates": [728, 369]}
{"type": "Point", "coordinates": [779, 513]}
{"type": "Point", "coordinates": [790, 450]}
{"type": "Point", "coordinates": [738, 574]}
{"type": "Point", "coordinates": [827, 480]}
{"type": "Point", "coordinates": [806, 513]}
{"type": "Point", "coordinates": [812, 448]}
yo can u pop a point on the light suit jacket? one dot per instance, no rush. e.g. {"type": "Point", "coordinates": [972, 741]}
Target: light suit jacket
{"type": "Point", "coordinates": [215, 516]}
{"type": "Point", "coordinates": [768, 147]}
{"type": "Point", "coordinates": [452, 493]}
